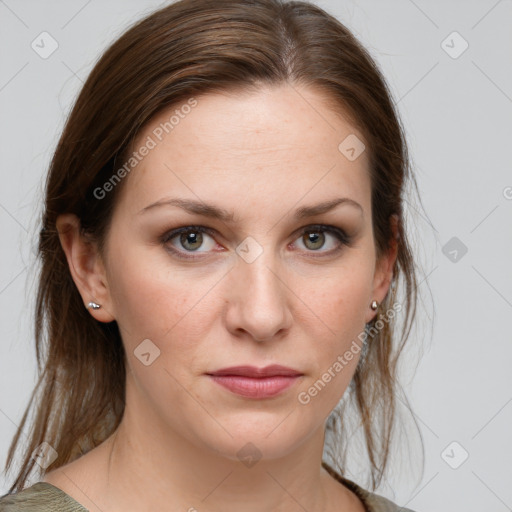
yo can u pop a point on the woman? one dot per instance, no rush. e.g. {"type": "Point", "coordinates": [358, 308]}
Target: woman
{"type": "Point", "coordinates": [221, 243]}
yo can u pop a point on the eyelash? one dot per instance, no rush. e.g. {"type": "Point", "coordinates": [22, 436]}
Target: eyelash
{"type": "Point", "coordinates": [338, 233]}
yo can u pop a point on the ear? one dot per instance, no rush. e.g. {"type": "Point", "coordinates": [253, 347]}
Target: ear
{"type": "Point", "coordinates": [86, 266]}
{"type": "Point", "coordinates": [384, 270]}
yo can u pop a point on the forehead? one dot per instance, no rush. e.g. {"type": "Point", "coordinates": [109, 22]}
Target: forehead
{"type": "Point", "coordinates": [278, 143]}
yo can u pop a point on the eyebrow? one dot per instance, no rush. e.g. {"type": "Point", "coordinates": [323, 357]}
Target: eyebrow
{"type": "Point", "coordinates": [215, 212]}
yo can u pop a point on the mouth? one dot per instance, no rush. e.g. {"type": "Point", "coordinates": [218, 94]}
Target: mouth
{"type": "Point", "coordinates": [256, 383]}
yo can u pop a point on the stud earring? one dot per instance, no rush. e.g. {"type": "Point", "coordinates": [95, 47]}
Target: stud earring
{"type": "Point", "coordinates": [374, 305]}
{"type": "Point", "coordinates": [93, 305]}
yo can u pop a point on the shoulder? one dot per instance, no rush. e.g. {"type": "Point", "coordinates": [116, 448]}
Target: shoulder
{"type": "Point", "coordinates": [377, 503]}
{"type": "Point", "coordinates": [374, 502]}
{"type": "Point", "coordinates": [40, 497]}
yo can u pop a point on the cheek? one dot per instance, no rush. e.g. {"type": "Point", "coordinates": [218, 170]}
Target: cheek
{"type": "Point", "coordinates": [152, 299]}
{"type": "Point", "coordinates": [342, 299]}
{"type": "Point", "coordinates": [155, 302]}
{"type": "Point", "coordinates": [340, 305]}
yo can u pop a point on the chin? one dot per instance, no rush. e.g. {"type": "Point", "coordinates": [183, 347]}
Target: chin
{"type": "Point", "coordinates": [257, 439]}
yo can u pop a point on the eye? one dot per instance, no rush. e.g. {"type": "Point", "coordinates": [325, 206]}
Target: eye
{"type": "Point", "coordinates": [190, 238]}
{"type": "Point", "coordinates": [314, 238]}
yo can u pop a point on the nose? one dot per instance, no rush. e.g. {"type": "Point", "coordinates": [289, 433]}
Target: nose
{"type": "Point", "coordinates": [258, 299]}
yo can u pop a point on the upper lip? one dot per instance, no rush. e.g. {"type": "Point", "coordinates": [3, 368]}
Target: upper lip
{"type": "Point", "coordinates": [252, 371]}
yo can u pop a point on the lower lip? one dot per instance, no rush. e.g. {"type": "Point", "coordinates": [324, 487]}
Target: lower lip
{"type": "Point", "coordinates": [251, 387]}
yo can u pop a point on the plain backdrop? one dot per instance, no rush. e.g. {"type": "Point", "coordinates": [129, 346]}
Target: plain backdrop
{"type": "Point", "coordinates": [449, 67]}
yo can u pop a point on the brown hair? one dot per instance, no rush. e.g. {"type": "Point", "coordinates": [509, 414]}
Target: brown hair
{"type": "Point", "coordinates": [189, 48]}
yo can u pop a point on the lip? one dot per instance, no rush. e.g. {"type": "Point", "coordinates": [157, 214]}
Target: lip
{"type": "Point", "coordinates": [274, 370]}
{"type": "Point", "coordinates": [256, 383]}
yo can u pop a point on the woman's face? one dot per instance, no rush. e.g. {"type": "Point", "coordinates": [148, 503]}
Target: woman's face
{"type": "Point", "coordinates": [251, 289]}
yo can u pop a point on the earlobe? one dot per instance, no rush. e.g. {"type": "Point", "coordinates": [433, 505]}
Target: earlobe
{"type": "Point", "coordinates": [85, 266]}
{"type": "Point", "coordinates": [384, 270]}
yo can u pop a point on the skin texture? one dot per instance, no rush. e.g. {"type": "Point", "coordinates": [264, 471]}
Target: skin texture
{"type": "Point", "coordinates": [261, 155]}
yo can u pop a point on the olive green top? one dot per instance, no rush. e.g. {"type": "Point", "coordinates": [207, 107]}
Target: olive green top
{"type": "Point", "coordinates": [44, 497]}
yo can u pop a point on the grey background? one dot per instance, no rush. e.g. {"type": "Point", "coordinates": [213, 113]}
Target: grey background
{"type": "Point", "coordinates": [458, 117]}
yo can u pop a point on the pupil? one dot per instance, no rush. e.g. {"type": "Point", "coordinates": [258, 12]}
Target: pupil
{"type": "Point", "coordinates": [191, 238]}
{"type": "Point", "coordinates": [314, 238]}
